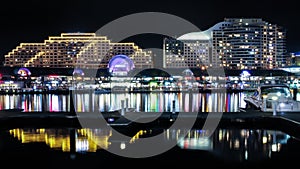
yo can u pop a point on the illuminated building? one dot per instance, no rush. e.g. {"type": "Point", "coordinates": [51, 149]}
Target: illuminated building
{"type": "Point", "coordinates": [84, 50]}
{"type": "Point", "coordinates": [235, 43]}
{"type": "Point", "coordinates": [120, 65]}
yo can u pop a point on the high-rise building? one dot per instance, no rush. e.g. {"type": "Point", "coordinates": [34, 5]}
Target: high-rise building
{"type": "Point", "coordinates": [235, 43]}
{"type": "Point", "coordinates": [84, 50]}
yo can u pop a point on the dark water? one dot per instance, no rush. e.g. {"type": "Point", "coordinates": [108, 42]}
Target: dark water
{"type": "Point", "coordinates": [69, 147]}
{"type": "Point", "coordinates": [91, 148]}
{"type": "Point", "coordinates": [143, 102]}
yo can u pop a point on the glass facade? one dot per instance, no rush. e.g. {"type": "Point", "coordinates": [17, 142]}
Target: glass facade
{"type": "Point", "coordinates": [235, 43]}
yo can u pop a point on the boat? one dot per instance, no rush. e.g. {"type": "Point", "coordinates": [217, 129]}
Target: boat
{"type": "Point", "coordinates": [272, 98]}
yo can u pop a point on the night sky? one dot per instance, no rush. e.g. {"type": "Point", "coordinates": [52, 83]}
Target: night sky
{"type": "Point", "coordinates": [35, 20]}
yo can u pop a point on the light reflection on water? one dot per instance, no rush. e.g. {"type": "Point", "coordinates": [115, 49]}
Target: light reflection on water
{"type": "Point", "coordinates": [141, 102]}
{"type": "Point", "coordinates": [237, 144]}
{"type": "Point", "coordinates": [230, 144]}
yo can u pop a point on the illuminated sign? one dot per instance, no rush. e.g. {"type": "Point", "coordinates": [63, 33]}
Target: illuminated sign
{"type": "Point", "coordinates": [24, 72]}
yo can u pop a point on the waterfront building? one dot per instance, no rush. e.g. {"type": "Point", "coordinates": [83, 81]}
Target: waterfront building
{"type": "Point", "coordinates": [235, 43]}
{"type": "Point", "coordinates": [69, 50]}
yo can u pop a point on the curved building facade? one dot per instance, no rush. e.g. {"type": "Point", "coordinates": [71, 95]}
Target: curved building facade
{"type": "Point", "coordinates": [235, 43]}
{"type": "Point", "coordinates": [120, 65]}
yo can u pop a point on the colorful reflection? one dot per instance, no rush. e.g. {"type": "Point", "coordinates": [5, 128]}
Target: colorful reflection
{"type": "Point", "coordinates": [230, 144]}
{"type": "Point", "coordinates": [141, 102]}
{"type": "Point", "coordinates": [233, 144]}
{"type": "Point", "coordinates": [85, 140]}
{"type": "Point", "coordinates": [35, 102]}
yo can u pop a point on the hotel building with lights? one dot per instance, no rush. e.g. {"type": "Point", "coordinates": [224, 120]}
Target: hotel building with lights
{"type": "Point", "coordinates": [235, 43]}
{"type": "Point", "coordinates": [69, 50]}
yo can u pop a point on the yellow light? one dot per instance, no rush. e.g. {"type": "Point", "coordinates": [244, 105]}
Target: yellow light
{"type": "Point", "coordinates": [264, 140]}
{"type": "Point", "coordinates": [274, 98]}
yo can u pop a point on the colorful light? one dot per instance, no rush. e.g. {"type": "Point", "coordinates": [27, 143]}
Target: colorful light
{"type": "Point", "coordinates": [24, 72]}
{"type": "Point", "coordinates": [120, 63]}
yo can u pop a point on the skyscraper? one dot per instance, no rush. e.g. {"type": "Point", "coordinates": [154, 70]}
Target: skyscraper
{"type": "Point", "coordinates": [235, 43]}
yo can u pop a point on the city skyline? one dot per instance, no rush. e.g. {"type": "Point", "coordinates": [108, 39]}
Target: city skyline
{"type": "Point", "coordinates": [32, 21]}
{"type": "Point", "coordinates": [235, 43]}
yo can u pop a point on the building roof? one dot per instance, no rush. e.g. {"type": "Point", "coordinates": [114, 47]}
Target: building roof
{"type": "Point", "coordinates": [204, 35]}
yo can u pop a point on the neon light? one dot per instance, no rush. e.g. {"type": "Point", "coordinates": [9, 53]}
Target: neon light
{"type": "Point", "coordinates": [119, 64]}
{"type": "Point", "coordinates": [24, 72]}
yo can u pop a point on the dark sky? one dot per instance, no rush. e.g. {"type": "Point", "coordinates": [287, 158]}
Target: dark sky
{"type": "Point", "coordinates": [35, 20]}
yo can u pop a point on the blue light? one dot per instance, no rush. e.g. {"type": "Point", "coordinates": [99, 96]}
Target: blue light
{"type": "Point", "coordinates": [111, 119]}
{"type": "Point", "coordinates": [120, 63]}
{"type": "Point", "coordinates": [245, 74]}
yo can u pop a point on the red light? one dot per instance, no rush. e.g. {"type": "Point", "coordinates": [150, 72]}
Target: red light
{"type": "Point", "coordinates": [53, 76]}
